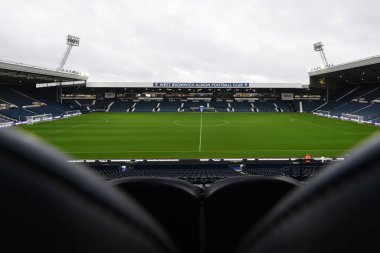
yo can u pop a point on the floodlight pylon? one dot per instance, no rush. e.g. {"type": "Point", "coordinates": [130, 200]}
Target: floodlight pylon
{"type": "Point", "coordinates": [319, 47]}
{"type": "Point", "coordinates": [71, 41]}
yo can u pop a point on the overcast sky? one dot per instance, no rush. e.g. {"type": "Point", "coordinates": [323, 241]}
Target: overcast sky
{"type": "Point", "coordinates": [189, 40]}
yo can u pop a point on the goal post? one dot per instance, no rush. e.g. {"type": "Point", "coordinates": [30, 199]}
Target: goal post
{"type": "Point", "coordinates": [323, 113]}
{"type": "Point", "coordinates": [72, 113]}
{"type": "Point", "coordinates": [352, 117]}
{"type": "Point", "coordinates": [38, 118]}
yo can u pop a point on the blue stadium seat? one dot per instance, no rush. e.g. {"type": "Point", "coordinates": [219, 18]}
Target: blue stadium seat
{"type": "Point", "coordinates": [234, 205]}
{"type": "Point", "coordinates": [174, 203]}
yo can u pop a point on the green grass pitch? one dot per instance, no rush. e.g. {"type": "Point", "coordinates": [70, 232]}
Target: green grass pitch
{"type": "Point", "coordinates": [201, 135]}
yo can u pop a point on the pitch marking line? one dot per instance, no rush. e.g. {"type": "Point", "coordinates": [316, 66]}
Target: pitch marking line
{"type": "Point", "coordinates": [209, 151]}
{"type": "Point", "coordinates": [200, 134]}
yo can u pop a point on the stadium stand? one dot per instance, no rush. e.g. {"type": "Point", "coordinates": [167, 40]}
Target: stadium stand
{"type": "Point", "coordinates": [17, 114]}
{"type": "Point", "coordinates": [283, 106]}
{"type": "Point", "coordinates": [373, 95]}
{"type": "Point", "coordinates": [332, 105]}
{"type": "Point", "coordinates": [121, 106]}
{"type": "Point", "coordinates": [192, 104]}
{"type": "Point", "coordinates": [265, 106]}
{"type": "Point", "coordinates": [72, 104]}
{"type": "Point", "coordinates": [144, 106]}
{"type": "Point", "coordinates": [349, 107]}
{"type": "Point", "coordinates": [308, 106]}
{"type": "Point", "coordinates": [102, 105]}
{"type": "Point", "coordinates": [265, 169]}
{"type": "Point", "coordinates": [47, 110]}
{"type": "Point", "coordinates": [196, 173]}
{"type": "Point", "coordinates": [370, 112]}
{"type": "Point", "coordinates": [12, 96]}
{"type": "Point", "coordinates": [219, 106]}
{"type": "Point", "coordinates": [241, 107]}
{"type": "Point", "coordinates": [167, 106]}
{"type": "Point", "coordinates": [357, 92]}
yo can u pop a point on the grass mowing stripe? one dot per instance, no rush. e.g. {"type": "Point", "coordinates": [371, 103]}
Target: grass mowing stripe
{"type": "Point", "coordinates": [188, 135]}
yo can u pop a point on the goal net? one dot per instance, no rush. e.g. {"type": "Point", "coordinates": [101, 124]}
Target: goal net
{"type": "Point", "coordinates": [38, 118]}
{"type": "Point", "coordinates": [352, 117]}
{"type": "Point", "coordinates": [323, 113]}
{"type": "Point", "coordinates": [72, 113]}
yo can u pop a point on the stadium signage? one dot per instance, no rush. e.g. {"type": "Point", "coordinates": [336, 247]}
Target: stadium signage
{"type": "Point", "coordinates": [287, 96]}
{"type": "Point", "coordinates": [202, 85]}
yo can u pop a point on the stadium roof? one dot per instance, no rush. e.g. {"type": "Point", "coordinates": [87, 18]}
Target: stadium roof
{"type": "Point", "coordinates": [361, 71]}
{"type": "Point", "coordinates": [194, 85]}
{"type": "Point", "coordinates": [12, 73]}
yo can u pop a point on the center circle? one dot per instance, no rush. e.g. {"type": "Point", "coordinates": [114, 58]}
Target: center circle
{"type": "Point", "coordinates": [205, 123]}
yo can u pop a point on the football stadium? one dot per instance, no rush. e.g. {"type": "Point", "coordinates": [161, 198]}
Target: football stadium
{"type": "Point", "coordinates": [184, 143]}
{"type": "Point", "coordinates": [189, 167]}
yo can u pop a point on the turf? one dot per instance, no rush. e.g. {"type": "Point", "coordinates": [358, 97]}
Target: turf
{"type": "Point", "coordinates": [196, 135]}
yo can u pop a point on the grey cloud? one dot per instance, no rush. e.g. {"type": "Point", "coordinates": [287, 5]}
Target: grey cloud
{"type": "Point", "coordinates": [182, 40]}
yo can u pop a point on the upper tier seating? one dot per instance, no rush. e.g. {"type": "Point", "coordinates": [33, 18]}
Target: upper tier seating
{"type": "Point", "coordinates": [14, 97]}
{"type": "Point", "coordinates": [45, 96]}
